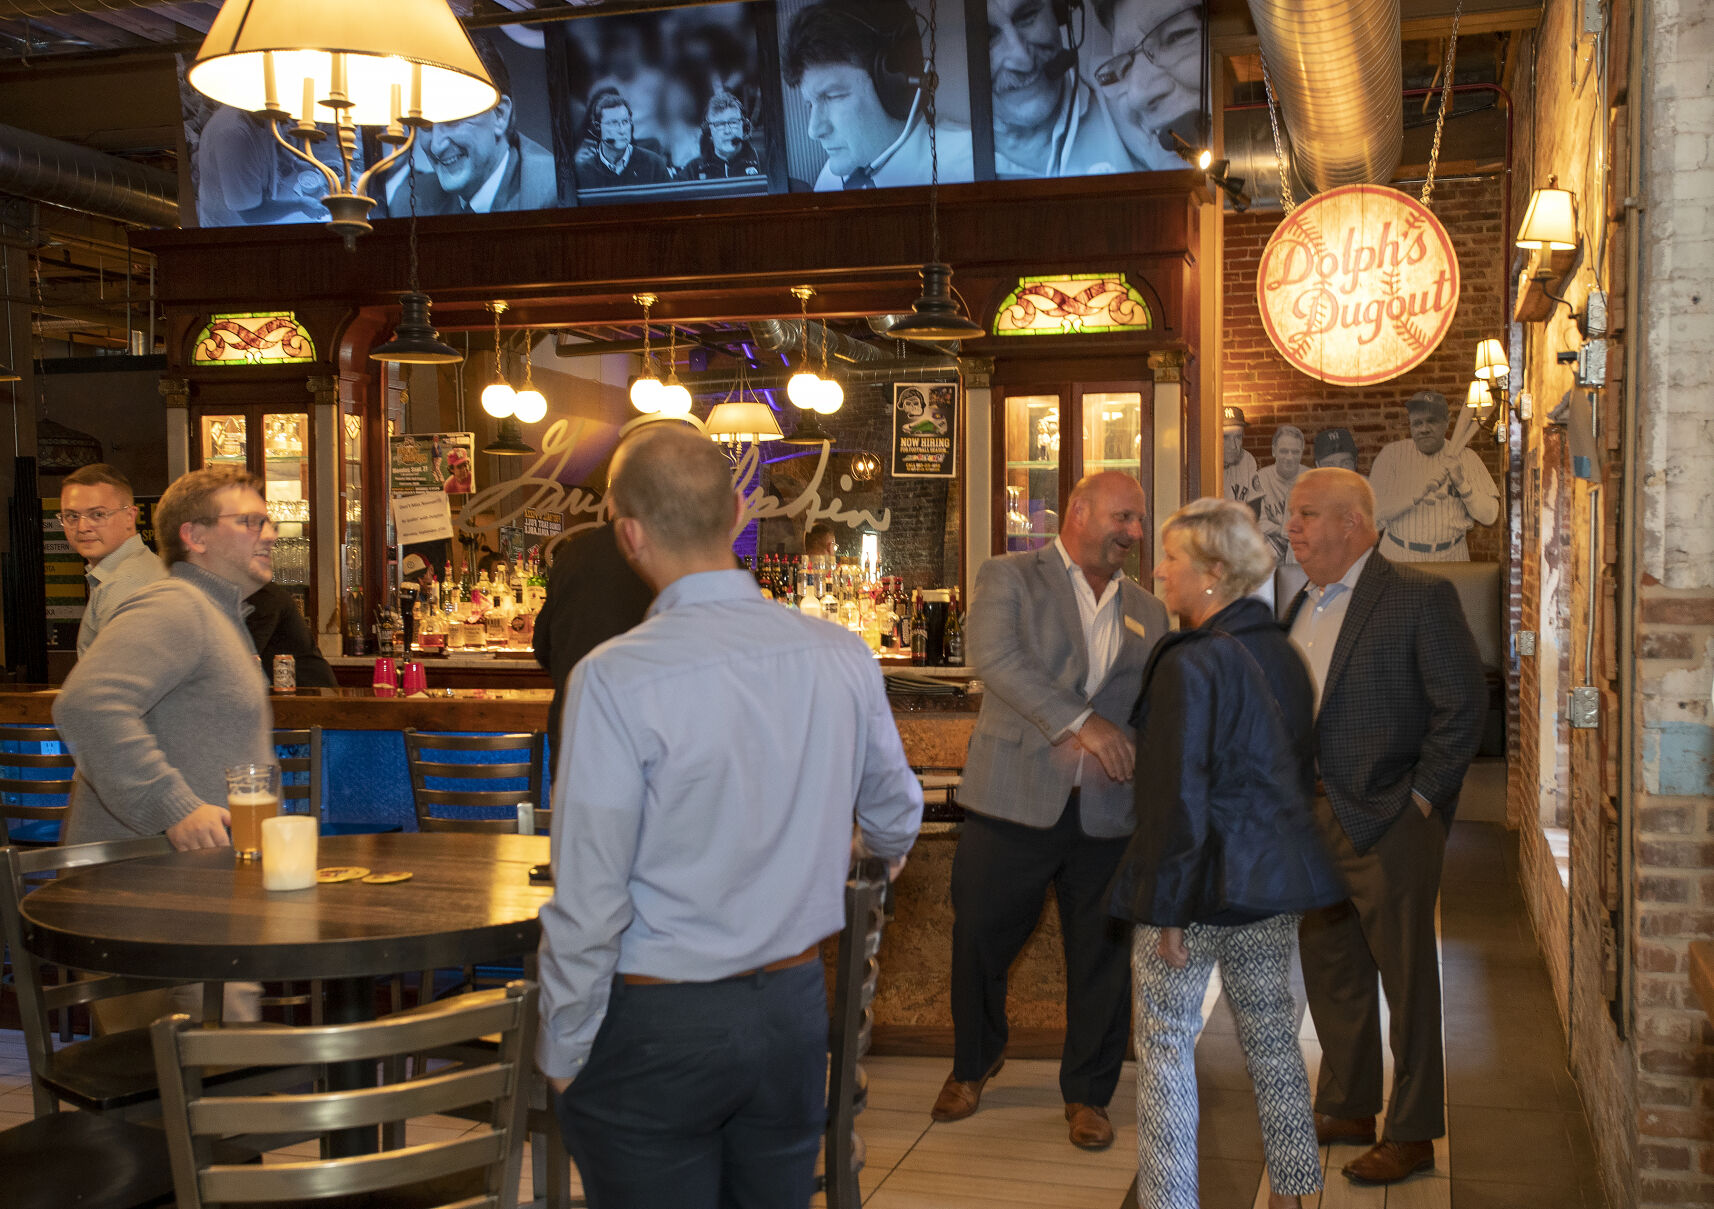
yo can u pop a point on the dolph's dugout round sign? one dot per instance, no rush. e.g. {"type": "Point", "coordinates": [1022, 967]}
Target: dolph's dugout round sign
{"type": "Point", "coordinates": [1358, 285]}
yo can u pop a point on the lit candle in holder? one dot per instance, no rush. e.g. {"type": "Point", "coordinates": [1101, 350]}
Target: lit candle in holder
{"type": "Point", "coordinates": [288, 852]}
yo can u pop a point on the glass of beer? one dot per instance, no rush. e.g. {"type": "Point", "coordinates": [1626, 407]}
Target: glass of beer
{"type": "Point", "coordinates": [252, 794]}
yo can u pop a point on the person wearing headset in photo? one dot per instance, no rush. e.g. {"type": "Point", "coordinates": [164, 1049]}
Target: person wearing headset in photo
{"type": "Point", "coordinates": [726, 143]}
{"type": "Point", "coordinates": [608, 155]}
{"type": "Point", "coordinates": [1048, 120]}
{"type": "Point", "coordinates": [859, 65]}
{"type": "Point", "coordinates": [1153, 84]}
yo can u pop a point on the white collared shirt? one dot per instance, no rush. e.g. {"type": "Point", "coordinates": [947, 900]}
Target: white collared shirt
{"type": "Point", "coordinates": [1103, 632]}
{"type": "Point", "coordinates": [484, 199]}
{"type": "Point", "coordinates": [1316, 628]}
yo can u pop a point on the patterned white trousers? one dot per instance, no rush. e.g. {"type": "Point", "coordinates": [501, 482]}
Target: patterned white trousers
{"type": "Point", "coordinates": [1255, 963]}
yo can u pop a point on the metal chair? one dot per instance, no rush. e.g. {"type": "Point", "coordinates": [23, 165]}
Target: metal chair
{"type": "Point", "coordinates": [34, 785]}
{"type": "Point", "coordinates": [113, 1072]}
{"type": "Point", "coordinates": [855, 971]}
{"type": "Point", "coordinates": [460, 786]}
{"type": "Point", "coordinates": [479, 1168]}
{"type": "Point", "coordinates": [298, 753]}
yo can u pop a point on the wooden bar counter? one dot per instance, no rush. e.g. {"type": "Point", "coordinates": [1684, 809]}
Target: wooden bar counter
{"type": "Point", "coordinates": [911, 1011]}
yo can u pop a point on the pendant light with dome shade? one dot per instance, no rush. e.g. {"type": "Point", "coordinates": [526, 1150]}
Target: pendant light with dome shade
{"type": "Point", "coordinates": [415, 342]}
{"type": "Point", "coordinates": [646, 387]}
{"type": "Point", "coordinates": [804, 388]}
{"type": "Point", "coordinates": [935, 316]}
{"type": "Point", "coordinates": [402, 65]}
{"type": "Point", "coordinates": [498, 398]}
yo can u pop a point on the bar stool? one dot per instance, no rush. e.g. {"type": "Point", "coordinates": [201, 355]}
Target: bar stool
{"type": "Point", "coordinates": [451, 775]}
{"type": "Point", "coordinates": [35, 785]}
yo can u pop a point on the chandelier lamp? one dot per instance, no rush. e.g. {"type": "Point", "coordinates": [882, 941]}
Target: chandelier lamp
{"type": "Point", "coordinates": [829, 396]}
{"type": "Point", "coordinates": [401, 65]}
{"type": "Point", "coordinates": [531, 406]}
{"type": "Point", "coordinates": [498, 398]}
{"type": "Point", "coordinates": [674, 399]}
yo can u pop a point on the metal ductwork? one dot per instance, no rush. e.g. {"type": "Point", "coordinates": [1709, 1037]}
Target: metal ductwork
{"type": "Point", "coordinates": [63, 174]}
{"type": "Point", "coordinates": [1335, 71]}
{"type": "Point", "coordinates": [13, 9]}
{"type": "Point", "coordinates": [787, 335]}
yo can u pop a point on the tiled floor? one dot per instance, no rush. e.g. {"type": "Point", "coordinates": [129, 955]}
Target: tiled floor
{"type": "Point", "coordinates": [1517, 1136]}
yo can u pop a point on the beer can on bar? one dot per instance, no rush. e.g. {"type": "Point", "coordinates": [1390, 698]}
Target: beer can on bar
{"type": "Point", "coordinates": [285, 674]}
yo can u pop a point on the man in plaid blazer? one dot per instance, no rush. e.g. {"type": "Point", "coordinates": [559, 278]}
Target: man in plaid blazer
{"type": "Point", "coordinates": [1400, 702]}
{"type": "Point", "coordinates": [1060, 637]}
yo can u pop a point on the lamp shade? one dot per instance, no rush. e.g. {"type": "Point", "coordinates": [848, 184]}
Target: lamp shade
{"type": "Point", "coordinates": [1491, 361]}
{"type": "Point", "coordinates": [1477, 396]}
{"type": "Point", "coordinates": [935, 316]}
{"type": "Point", "coordinates": [646, 394]}
{"type": "Point", "coordinates": [510, 441]}
{"type": "Point", "coordinates": [742, 421]}
{"type": "Point", "coordinates": [803, 389]}
{"type": "Point", "coordinates": [1550, 222]}
{"type": "Point", "coordinates": [674, 400]}
{"type": "Point", "coordinates": [378, 41]}
{"type": "Point", "coordinates": [829, 398]}
{"type": "Point", "coordinates": [415, 342]}
{"type": "Point", "coordinates": [499, 400]}
{"type": "Point", "coordinates": [530, 406]}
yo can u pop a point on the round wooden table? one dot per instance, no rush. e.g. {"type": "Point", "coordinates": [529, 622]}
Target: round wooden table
{"type": "Point", "coordinates": [204, 916]}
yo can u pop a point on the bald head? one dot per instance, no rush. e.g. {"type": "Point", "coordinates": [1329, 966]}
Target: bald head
{"type": "Point", "coordinates": [678, 485]}
{"type": "Point", "coordinates": [1330, 522]}
{"type": "Point", "coordinates": [1104, 519]}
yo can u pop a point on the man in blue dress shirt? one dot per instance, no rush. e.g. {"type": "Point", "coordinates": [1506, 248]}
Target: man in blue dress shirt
{"type": "Point", "coordinates": [712, 761]}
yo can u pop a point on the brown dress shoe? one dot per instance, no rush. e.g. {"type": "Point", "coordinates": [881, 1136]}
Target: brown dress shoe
{"type": "Point", "coordinates": [1389, 1162]}
{"type": "Point", "coordinates": [1090, 1128]}
{"type": "Point", "coordinates": [959, 1098]}
{"type": "Point", "coordinates": [1351, 1131]}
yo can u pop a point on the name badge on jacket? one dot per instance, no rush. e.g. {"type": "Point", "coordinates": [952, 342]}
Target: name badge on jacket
{"type": "Point", "coordinates": [1136, 627]}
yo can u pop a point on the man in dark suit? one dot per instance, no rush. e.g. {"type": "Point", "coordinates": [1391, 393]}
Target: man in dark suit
{"type": "Point", "coordinates": [1400, 706]}
{"type": "Point", "coordinates": [1060, 637]}
{"type": "Point", "coordinates": [609, 156]}
{"type": "Point", "coordinates": [593, 594]}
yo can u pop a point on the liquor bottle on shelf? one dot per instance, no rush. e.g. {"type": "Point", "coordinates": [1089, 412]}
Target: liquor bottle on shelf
{"type": "Point", "coordinates": [954, 633]}
{"type": "Point", "coordinates": [432, 631]}
{"type": "Point", "coordinates": [919, 631]}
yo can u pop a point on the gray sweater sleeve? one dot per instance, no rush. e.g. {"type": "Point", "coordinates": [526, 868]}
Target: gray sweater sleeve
{"type": "Point", "coordinates": [123, 690]}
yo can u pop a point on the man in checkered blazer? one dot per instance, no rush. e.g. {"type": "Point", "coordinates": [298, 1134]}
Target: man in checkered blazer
{"type": "Point", "coordinates": [1400, 702]}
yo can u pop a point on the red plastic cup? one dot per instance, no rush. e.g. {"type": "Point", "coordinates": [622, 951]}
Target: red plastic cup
{"type": "Point", "coordinates": [413, 679]}
{"type": "Point", "coordinates": [386, 679]}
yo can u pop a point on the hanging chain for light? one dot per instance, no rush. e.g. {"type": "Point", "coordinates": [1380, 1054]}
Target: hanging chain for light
{"type": "Point", "coordinates": [672, 353]}
{"type": "Point", "coordinates": [499, 309]}
{"type": "Point", "coordinates": [1287, 200]}
{"type": "Point", "coordinates": [804, 293]}
{"type": "Point", "coordinates": [646, 301]}
{"type": "Point", "coordinates": [931, 85]}
{"type": "Point", "coordinates": [412, 176]}
{"type": "Point", "coordinates": [1445, 103]}
{"type": "Point", "coordinates": [529, 350]}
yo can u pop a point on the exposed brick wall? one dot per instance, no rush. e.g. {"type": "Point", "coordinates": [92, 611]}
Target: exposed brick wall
{"type": "Point", "coordinates": [1271, 392]}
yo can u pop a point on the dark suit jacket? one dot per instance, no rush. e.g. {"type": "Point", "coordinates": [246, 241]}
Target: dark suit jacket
{"type": "Point", "coordinates": [593, 595]}
{"type": "Point", "coordinates": [531, 183]}
{"type": "Point", "coordinates": [1404, 701]}
{"type": "Point", "coordinates": [645, 167]}
{"type": "Point", "coordinates": [1024, 637]}
{"type": "Point", "coordinates": [277, 628]}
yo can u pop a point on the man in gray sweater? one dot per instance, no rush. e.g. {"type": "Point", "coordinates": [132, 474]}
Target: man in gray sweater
{"type": "Point", "coordinates": [170, 693]}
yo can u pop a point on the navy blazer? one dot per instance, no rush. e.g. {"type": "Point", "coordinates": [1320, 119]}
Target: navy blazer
{"type": "Point", "coordinates": [1404, 701]}
{"type": "Point", "coordinates": [1226, 833]}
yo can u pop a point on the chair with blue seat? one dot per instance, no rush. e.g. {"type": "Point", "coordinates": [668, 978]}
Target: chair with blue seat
{"type": "Point", "coordinates": [453, 779]}
{"type": "Point", "coordinates": [36, 771]}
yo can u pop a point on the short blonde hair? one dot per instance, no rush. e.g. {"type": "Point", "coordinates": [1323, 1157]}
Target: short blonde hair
{"type": "Point", "coordinates": [191, 498]}
{"type": "Point", "coordinates": [1224, 534]}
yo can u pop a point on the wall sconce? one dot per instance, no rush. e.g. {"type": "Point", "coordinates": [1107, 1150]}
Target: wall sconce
{"type": "Point", "coordinates": [1550, 232]}
{"type": "Point", "coordinates": [1492, 372]}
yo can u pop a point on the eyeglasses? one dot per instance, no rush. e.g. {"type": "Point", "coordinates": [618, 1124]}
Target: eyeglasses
{"type": "Point", "coordinates": [1167, 45]}
{"type": "Point", "coordinates": [734, 124]}
{"type": "Point", "coordinates": [253, 521]}
{"type": "Point", "coordinates": [95, 516]}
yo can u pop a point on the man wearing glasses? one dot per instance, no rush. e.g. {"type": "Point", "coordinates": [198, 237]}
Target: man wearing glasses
{"type": "Point", "coordinates": [171, 693]}
{"type": "Point", "coordinates": [1048, 121]}
{"type": "Point", "coordinates": [1154, 83]}
{"type": "Point", "coordinates": [727, 147]}
{"type": "Point", "coordinates": [98, 512]}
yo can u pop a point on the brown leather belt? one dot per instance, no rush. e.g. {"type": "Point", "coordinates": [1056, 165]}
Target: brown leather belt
{"type": "Point", "coordinates": [813, 953]}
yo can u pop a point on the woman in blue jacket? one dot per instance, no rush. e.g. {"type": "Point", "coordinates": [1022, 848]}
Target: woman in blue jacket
{"type": "Point", "coordinates": [1225, 856]}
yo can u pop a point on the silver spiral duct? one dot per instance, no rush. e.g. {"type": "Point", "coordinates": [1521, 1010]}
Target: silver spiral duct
{"type": "Point", "coordinates": [1335, 69]}
{"type": "Point", "coordinates": [64, 174]}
